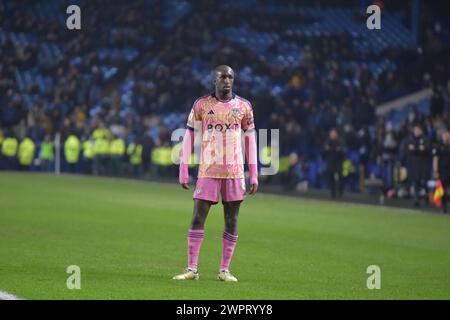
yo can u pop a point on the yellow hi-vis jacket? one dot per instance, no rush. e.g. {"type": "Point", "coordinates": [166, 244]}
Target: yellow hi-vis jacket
{"type": "Point", "coordinates": [135, 153]}
{"type": "Point", "coordinates": [101, 146]}
{"type": "Point", "coordinates": [101, 133]}
{"type": "Point", "coordinates": [9, 147]}
{"type": "Point", "coordinates": [26, 152]}
{"type": "Point", "coordinates": [162, 156]}
{"type": "Point", "coordinates": [117, 147]}
{"type": "Point", "coordinates": [72, 149]}
{"type": "Point", "coordinates": [88, 149]}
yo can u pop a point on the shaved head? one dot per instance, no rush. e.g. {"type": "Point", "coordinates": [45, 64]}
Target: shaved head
{"type": "Point", "coordinates": [222, 68]}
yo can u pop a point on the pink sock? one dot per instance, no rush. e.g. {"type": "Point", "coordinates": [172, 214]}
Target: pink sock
{"type": "Point", "coordinates": [228, 245]}
{"type": "Point", "coordinates": [195, 239]}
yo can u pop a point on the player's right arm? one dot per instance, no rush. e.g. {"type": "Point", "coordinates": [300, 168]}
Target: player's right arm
{"type": "Point", "coordinates": [188, 145]}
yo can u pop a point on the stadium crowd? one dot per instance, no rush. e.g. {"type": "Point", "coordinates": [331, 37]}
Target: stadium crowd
{"type": "Point", "coordinates": [111, 94]}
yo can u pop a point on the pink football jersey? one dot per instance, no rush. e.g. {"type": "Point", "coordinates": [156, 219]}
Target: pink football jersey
{"type": "Point", "coordinates": [221, 124]}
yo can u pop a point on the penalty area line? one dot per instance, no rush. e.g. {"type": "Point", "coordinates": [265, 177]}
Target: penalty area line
{"type": "Point", "coordinates": [7, 296]}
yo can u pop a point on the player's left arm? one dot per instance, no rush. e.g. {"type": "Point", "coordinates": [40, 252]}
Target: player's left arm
{"type": "Point", "coordinates": [188, 145]}
{"type": "Point", "coordinates": [248, 125]}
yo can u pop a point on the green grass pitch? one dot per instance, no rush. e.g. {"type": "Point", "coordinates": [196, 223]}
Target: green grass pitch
{"type": "Point", "coordinates": [129, 239]}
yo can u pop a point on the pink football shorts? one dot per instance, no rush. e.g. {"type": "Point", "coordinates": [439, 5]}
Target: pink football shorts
{"type": "Point", "coordinates": [210, 188]}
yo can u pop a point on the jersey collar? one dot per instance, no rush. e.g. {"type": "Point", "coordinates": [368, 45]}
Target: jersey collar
{"type": "Point", "coordinates": [233, 95]}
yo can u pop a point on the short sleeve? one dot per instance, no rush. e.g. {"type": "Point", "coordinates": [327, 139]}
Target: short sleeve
{"type": "Point", "coordinates": [247, 121]}
{"type": "Point", "coordinates": [194, 115]}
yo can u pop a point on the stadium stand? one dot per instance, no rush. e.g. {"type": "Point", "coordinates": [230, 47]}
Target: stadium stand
{"type": "Point", "coordinates": [135, 68]}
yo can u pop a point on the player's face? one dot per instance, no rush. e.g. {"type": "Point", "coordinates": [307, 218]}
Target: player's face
{"type": "Point", "coordinates": [224, 80]}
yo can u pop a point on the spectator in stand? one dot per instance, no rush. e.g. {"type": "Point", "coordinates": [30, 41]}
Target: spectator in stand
{"type": "Point", "coordinates": [389, 150]}
{"type": "Point", "coordinates": [441, 165]}
{"type": "Point", "coordinates": [419, 154]}
{"type": "Point", "coordinates": [334, 157]}
{"type": "Point", "coordinates": [296, 177]}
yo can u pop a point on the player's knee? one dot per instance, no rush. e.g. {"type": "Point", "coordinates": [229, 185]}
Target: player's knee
{"type": "Point", "coordinates": [231, 223]}
{"type": "Point", "coordinates": [197, 221]}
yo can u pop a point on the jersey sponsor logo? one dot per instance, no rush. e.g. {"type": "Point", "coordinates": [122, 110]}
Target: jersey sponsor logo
{"type": "Point", "coordinates": [222, 127]}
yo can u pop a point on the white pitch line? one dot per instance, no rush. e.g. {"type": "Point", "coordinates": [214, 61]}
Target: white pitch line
{"type": "Point", "coordinates": [7, 296]}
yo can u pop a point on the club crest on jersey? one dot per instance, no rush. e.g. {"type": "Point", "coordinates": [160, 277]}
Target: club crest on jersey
{"type": "Point", "coordinates": [235, 112]}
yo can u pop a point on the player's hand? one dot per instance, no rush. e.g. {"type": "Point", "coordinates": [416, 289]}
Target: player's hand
{"type": "Point", "coordinates": [253, 188]}
{"type": "Point", "coordinates": [185, 186]}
